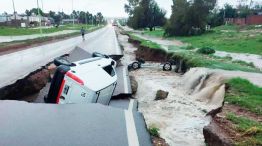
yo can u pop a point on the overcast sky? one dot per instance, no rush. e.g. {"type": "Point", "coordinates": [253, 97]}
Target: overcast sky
{"type": "Point", "coordinates": [109, 8]}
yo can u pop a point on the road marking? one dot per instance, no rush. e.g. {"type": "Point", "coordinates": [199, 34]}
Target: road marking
{"type": "Point", "coordinates": [131, 129]}
{"type": "Point", "coordinates": [131, 105]}
{"type": "Point", "coordinates": [125, 81]}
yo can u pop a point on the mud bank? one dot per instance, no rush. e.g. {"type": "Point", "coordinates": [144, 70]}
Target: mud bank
{"type": "Point", "coordinates": [180, 117]}
{"type": "Point", "coordinates": [29, 85]}
{"type": "Point", "coordinates": [159, 55]}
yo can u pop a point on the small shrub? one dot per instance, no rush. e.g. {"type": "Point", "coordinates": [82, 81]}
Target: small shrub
{"type": "Point", "coordinates": [189, 47]}
{"type": "Point", "coordinates": [206, 50]}
{"type": "Point", "coordinates": [154, 131]}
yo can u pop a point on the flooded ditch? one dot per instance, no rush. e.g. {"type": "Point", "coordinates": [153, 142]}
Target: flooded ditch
{"type": "Point", "coordinates": [182, 116]}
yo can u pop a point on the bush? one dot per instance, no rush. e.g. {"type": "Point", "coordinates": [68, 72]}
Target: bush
{"type": "Point", "coordinates": [189, 47]}
{"type": "Point", "coordinates": [206, 50]}
{"type": "Point", "coordinates": [154, 131]}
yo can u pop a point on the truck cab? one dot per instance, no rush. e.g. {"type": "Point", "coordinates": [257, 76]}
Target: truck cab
{"type": "Point", "coordinates": [86, 81]}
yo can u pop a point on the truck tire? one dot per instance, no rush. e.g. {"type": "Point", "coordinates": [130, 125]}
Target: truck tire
{"type": "Point", "coordinates": [136, 65]}
{"type": "Point", "coordinates": [61, 61]}
{"type": "Point", "coordinates": [167, 67]}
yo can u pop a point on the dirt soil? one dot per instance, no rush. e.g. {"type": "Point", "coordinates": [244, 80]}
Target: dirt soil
{"type": "Point", "coordinates": [227, 128]}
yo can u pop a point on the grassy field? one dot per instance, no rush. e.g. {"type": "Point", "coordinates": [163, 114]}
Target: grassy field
{"type": "Point", "coordinates": [146, 43]}
{"type": "Point", "coordinates": [225, 38]}
{"type": "Point", "coordinates": [251, 130]}
{"type": "Point", "coordinates": [194, 59]}
{"type": "Point", "coordinates": [245, 94]}
{"type": "Point", "coordinates": [12, 31]}
{"type": "Point", "coordinates": [198, 60]}
{"type": "Point", "coordinates": [24, 43]}
{"type": "Point", "coordinates": [248, 96]}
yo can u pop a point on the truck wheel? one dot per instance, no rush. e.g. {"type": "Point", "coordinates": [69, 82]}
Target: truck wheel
{"type": "Point", "coordinates": [136, 65]}
{"type": "Point", "coordinates": [61, 61]}
{"type": "Point", "coordinates": [167, 67]}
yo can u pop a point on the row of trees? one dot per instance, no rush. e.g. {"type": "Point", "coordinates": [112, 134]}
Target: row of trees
{"type": "Point", "coordinates": [81, 16]}
{"type": "Point", "coordinates": [189, 17]}
{"type": "Point", "coordinates": [145, 13]}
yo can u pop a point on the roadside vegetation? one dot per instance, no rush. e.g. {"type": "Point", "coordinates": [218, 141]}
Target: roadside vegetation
{"type": "Point", "coordinates": [6, 46]}
{"type": "Point", "coordinates": [243, 93]}
{"type": "Point", "coordinates": [146, 43]}
{"type": "Point", "coordinates": [248, 97]}
{"type": "Point", "coordinates": [229, 38]}
{"type": "Point", "coordinates": [13, 31]}
{"type": "Point", "coordinates": [250, 130]}
{"type": "Point", "coordinates": [153, 131]}
{"type": "Point", "coordinates": [194, 59]}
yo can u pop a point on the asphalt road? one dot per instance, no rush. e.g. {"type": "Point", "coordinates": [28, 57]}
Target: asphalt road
{"type": "Point", "coordinates": [19, 64]}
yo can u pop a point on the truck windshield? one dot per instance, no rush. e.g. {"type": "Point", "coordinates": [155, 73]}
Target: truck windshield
{"type": "Point", "coordinates": [109, 69]}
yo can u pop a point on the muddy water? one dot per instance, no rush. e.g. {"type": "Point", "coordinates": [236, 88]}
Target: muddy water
{"type": "Point", "coordinates": [180, 117]}
{"type": "Point", "coordinates": [249, 58]}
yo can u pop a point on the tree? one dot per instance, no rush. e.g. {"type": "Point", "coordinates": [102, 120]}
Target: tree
{"type": "Point", "coordinates": [229, 11]}
{"type": "Point", "coordinates": [35, 11]}
{"type": "Point", "coordinates": [28, 13]}
{"type": "Point", "coordinates": [144, 14]}
{"type": "Point", "coordinates": [189, 17]}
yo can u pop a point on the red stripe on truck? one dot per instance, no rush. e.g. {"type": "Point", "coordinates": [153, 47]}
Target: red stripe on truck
{"type": "Point", "coordinates": [60, 91]}
{"type": "Point", "coordinates": [74, 77]}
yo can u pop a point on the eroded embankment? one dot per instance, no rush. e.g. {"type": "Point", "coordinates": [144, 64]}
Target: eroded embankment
{"type": "Point", "coordinates": [182, 116]}
{"type": "Point", "coordinates": [160, 55]}
{"type": "Point", "coordinates": [26, 88]}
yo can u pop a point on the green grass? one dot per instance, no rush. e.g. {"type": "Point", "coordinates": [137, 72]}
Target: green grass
{"type": "Point", "coordinates": [13, 31]}
{"type": "Point", "coordinates": [197, 60]}
{"type": "Point", "coordinates": [156, 33]}
{"type": "Point", "coordinates": [146, 43]}
{"type": "Point", "coordinates": [153, 131]}
{"type": "Point", "coordinates": [229, 38]}
{"type": "Point", "coordinates": [29, 42]}
{"type": "Point", "coordinates": [194, 59]}
{"type": "Point", "coordinates": [251, 130]}
{"type": "Point", "coordinates": [245, 94]}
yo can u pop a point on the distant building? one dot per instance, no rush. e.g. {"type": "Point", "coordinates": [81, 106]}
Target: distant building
{"type": "Point", "coordinates": [249, 20]}
{"type": "Point", "coordinates": [69, 21]}
{"type": "Point", "coordinates": [22, 20]}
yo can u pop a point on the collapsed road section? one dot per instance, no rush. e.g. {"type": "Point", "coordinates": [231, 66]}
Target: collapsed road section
{"type": "Point", "coordinates": [118, 123]}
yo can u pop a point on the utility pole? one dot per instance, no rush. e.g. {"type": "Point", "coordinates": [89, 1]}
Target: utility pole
{"type": "Point", "coordinates": [86, 20]}
{"type": "Point", "coordinates": [39, 16]}
{"type": "Point", "coordinates": [42, 5]}
{"type": "Point", "coordinates": [73, 13]}
{"type": "Point", "coordinates": [14, 11]}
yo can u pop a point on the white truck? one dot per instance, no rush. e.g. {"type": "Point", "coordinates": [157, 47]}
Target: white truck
{"type": "Point", "coordinates": [87, 81]}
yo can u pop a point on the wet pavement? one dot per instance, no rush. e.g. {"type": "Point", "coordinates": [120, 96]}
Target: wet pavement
{"type": "Point", "coordinates": [19, 64]}
{"type": "Point", "coordinates": [72, 124]}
